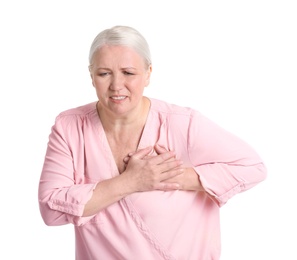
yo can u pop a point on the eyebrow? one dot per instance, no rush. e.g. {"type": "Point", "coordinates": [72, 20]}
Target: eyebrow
{"type": "Point", "coordinates": [124, 68]}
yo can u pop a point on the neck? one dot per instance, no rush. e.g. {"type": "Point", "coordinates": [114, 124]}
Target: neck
{"type": "Point", "coordinates": [119, 123]}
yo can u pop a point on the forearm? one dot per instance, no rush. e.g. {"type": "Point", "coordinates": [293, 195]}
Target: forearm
{"type": "Point", "coordinates": [192, 180]}
{"type": "Point", "coordinates": [140, 175]}
{"type": "Point", "coordinates": [223, 181]}
{"type": "Point", "coordinates": [106, 193]}
{"type": "Point", "coordinates": [189, 180]}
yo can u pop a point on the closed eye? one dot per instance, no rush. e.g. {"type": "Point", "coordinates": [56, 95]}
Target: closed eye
{"type": "Point", "coordinates": [127, 73]}
{"type": "Point", "coordinates": [103, 74]}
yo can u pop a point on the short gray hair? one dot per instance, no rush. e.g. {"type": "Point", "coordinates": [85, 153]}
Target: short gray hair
{"type": "Point", "coordinates": [123, 36]}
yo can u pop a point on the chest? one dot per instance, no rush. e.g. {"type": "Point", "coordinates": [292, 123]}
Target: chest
{"type": "Point", "coordinates": [121, 147]}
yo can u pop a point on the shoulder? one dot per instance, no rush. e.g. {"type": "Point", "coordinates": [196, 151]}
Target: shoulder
{"type": "Point", "coordinates": [170, 109]}
{"type": "Point", "coordinates": [77, 114]}
{"type": "Point", "coordinates": [80, 110]}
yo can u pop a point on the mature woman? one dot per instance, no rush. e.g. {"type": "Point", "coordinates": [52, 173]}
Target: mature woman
{"type": "Point", "coordinates": [137, 177]}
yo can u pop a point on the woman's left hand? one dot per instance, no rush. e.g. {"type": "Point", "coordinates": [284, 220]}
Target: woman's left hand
{"type": "Point", "coordinates": [188, 180]}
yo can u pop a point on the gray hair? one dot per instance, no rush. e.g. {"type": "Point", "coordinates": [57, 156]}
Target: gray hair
{"type": "Point", "coordinates": [123, 36]}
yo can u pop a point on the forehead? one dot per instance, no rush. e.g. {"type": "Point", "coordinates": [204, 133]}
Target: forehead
{"type": "Point", "coordinates": [117, 54]}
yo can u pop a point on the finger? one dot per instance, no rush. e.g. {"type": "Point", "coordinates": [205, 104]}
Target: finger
{"type": "Point", "coordinates": [160, 149]}
{"type": "Point", "coordinates": [170, 166]}
{"type": "Point", "coordinates": [141, 153]}
{"type": "Point", "coordinates": [129, 155]}
{"type": "Point", "coordinates": [126, 159]}
{"type": "Point", "coordinates": [163, 157]}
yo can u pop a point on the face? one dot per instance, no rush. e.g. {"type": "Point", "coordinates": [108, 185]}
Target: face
{"type": "Point", "coordinates": [119, 75]}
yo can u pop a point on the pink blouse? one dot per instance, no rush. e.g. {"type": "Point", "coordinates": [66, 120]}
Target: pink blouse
{"type": "Point", "coordinates": [175, 225]}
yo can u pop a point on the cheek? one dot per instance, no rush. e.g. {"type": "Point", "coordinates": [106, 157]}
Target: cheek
{"type": "Point", "coordinates": [137, 85]}
{"type": "Point", "coordinates": [94, 80]}
{"type": "Point", "coordinates": [99, 83]}
{"type": "Point", "coordinates": [98, 86]}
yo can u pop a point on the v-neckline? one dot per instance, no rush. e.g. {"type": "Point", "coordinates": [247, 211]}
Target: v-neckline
{"type": "Point", "coordinates": [105, 143]}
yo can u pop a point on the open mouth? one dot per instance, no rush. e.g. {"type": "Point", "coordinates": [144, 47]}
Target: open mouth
{"type": "Point", "coordinates": [118, 97]}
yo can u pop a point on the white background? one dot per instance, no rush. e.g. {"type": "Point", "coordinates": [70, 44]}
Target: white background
{"type": "Point", "coordinates": [235, 61]}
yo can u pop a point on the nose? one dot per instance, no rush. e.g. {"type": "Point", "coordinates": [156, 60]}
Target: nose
{"type": "Point", "coordinates": [117, 81]}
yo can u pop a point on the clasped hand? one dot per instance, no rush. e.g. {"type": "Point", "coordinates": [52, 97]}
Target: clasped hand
{"type": "Point", "coordinates": [163, 171]}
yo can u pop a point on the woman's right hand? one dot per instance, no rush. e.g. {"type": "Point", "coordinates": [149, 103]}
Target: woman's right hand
{"type": "Point", "coordinates": [145, 172]}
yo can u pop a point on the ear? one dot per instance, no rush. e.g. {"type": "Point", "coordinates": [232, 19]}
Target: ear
{"type": "Point", "coordinates": [149, 72]}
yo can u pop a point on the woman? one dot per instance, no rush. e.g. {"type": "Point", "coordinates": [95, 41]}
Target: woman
{"type": "Point", "coordinates": [137, 177]}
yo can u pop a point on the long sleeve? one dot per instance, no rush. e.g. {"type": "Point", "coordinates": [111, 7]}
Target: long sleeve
{"type": "Point", "coordinates": [225, 164]}
{"type": "Point", "coordinates": [150, 224]}
{"type": "Point", "coordinates": [61, 196]}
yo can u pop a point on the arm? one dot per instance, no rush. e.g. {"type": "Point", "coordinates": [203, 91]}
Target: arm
{"type": "Point", "coordinates": [223, 164]}
{"type": "Point", "coordinates": [141, 174]}
{"type": "Point", "coordinates": [61, 192]}
{"type": "Point", "coordinates": [188, 179]}
{"type": "Point", "coordinates": [66, 198]}
{"type": "Point", "coordinates": [226, 165]}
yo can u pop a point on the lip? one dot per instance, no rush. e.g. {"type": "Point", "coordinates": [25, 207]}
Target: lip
{"type": "Point", "coordinates": [118, 98]}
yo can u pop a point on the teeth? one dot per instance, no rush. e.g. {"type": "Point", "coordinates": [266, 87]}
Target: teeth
{"type": "Point", "coordinates": [118, 98]}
